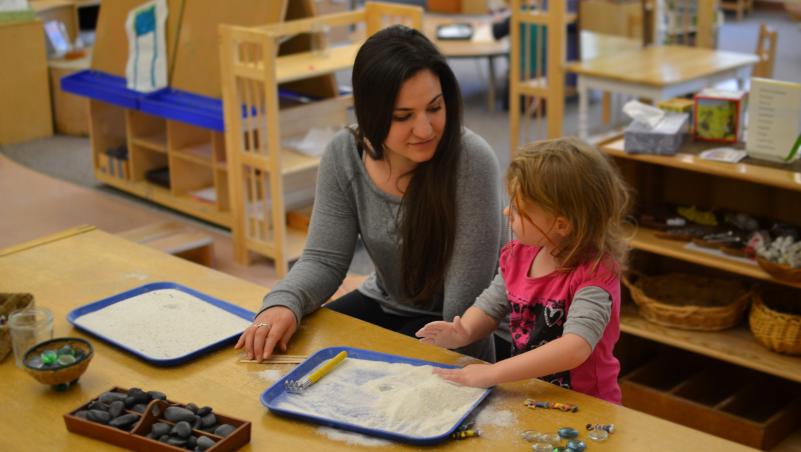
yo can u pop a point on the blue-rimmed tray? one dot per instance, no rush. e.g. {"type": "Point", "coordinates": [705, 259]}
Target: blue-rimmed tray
{"type": "Point", "coordinates": [76, 313]}
{"type": "Point", "coordinates": [275, 394]}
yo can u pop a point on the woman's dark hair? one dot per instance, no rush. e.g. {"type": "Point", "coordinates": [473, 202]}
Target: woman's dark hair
{"type": "Point", "coordinates": [427, 217]}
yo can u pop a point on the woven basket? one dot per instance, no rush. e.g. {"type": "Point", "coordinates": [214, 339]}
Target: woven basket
{"type": "Point", "coordinates": [775, 330]}
{"type": "Point", "coordinates": [10, 302]}
{"type": "Point", "coordinates": [780, 271]}
{"type": "Point", "coordinates": [689, 302]}
{"type": "Point", "coordinates": [65, 374]}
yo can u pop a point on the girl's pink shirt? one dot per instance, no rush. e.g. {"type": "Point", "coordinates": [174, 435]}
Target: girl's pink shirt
{"type": "Point", "coordinates": [554, 293]}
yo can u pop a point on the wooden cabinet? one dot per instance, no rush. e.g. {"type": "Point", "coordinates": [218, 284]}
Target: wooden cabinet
{"type": "Point", "coordinates": [259, 166]}
{"type": "Point", "coordinates": [756, 188]}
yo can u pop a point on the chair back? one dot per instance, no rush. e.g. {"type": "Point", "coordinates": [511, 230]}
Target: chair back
{"type": "Point", "coordinates": [766, 51]}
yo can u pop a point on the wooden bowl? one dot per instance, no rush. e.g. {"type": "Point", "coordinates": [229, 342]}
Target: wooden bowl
{"type": "Point", "coordinates": [63, 376]}
{"type": "Point", "coordinates": [780, 271]}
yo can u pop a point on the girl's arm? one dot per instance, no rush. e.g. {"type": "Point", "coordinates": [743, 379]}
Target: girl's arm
{"type": "Point", "coordinates": [565, 353]}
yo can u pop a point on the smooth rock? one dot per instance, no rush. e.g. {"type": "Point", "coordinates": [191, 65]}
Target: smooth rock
{"type": "Point", "coordinates": [191, 407]}
{"type": "Point", "coordinates": [191, 442]}
{"type": "Point", "coordinates": [139, 408]}
{"type": "Point", "coordinates": [204, 442]}
{"type": "Point", "coordinates": [160, 428]}
{"type": "Point", "coordinates": [82, 414]}
{"type": "Point", "coordinates": [157, 395]}
{"type": "Point", "coordinates": [138, 395]}
{"type": "Point", "coordinates": [204, 411]}
{"type": "Point", "coordinates": [97, 405]}
{"type": "Point", "coordinates": [177, 414]}
{"type": "Point", "coordinates": [175, 441]}
{"type": "Point", "coordinates": [208, 420]}
{"type": "Point", "coordinates": [182, 429]}
{"type": "Point", "coordinates": [115, 408]}
{"type": "Point", "coordinates": [108, 397]}
{"type": "Point", "coordinates": [164, 438]}
{"type": "Point", "coordinates": [126, 420]}
{"type": "Point", "coordinates": [568, 432]}
{"type": "Point", "coordinates": [224, 430]}
{"type": "Point", "coordinates": [99, 416]}
{"type": "Point", "coordinates": [130, 401]}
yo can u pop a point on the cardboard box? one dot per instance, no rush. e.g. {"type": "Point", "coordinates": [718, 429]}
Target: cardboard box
{"type": "Point", "coordinates": [719, 115]}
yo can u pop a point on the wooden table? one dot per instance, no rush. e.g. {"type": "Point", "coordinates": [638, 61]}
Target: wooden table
{"type": "Point", "coordinates": [481, 45]}
{"type": "Point", "coordinates": [82, 265]}
{"type": "Point", "coordinates": [657, 73]}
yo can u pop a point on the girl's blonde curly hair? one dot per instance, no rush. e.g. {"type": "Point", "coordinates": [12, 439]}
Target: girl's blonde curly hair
{"type": "Point", "coordinates": [568, 178]}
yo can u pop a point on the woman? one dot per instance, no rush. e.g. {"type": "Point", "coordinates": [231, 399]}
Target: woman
{"type": "Point", "coordinates": [421, 191]}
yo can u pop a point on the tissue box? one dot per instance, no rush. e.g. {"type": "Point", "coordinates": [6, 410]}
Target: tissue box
{"type": "Point", "coordinates": [664, 139]}
{"type": "Point", "coordinates": [719, 115]}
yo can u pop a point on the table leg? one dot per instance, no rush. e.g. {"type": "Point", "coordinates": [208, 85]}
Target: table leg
{"type": "Point", "coordinates": [583, 108]}
{"type": "Point", "coordinates": [491, 90]}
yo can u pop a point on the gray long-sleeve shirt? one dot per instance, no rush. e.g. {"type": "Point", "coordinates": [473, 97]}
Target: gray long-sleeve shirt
{"type": "Point", "coordinates": [348, 204]}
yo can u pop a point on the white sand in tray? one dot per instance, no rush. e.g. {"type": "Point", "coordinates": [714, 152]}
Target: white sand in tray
{"type": "Point", "coordinates": [393, 397]}
{"type": "Point", "coordinates": [163, 324]}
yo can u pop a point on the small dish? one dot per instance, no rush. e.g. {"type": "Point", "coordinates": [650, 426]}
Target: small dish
{"type": "Point", "coordinates": [65, 372]}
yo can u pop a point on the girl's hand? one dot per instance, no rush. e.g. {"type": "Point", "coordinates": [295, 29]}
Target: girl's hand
{"type": "Point", "coordinates": [274, 326]}
{"type": "Point", "coordinates": [445, 334]}
{"type": "Point", "coordinates": [475, 375]}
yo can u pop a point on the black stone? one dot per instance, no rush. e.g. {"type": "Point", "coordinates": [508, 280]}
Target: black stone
{"type": "Point", "coordinates": [116, 407]}
{"type": "Point", "coordinates": [177, 414]}
{"type": "Point", "coordinates": [182, 429]}
{"type": "Point", "coordinates": [191, 442]}
{"type": "Point", "coordinates": [164, 438]}
{"type": "Point", "coordinates": [224, 430]}
{"type": "Point", "coordinates": [97, 405]}
{"type": "Point", "coordinates": [139, 407]}
{"type": "Point", "coordinates": [108, 397]}
{"type": "Point", "coordinates": [204, 442]}
{"type": "Point", "coordinates": [130, 401]}
{"type": "Point", "coordinates": [196, 424]}
{"type": "Point", "coordinates": [138, 395]}
{"type": "Point", "coordinates": [81, 414]}
{"type": "Point", "coordinates": [204, 411]}
{"type": "Point", "coordinates": [157, 395]}
{"type": "Point", "coordinates": [126, 420]}
{"type": "Point", "coordinates": [99, 416]}
{"type": "Point", "coordinates": [208, 420]}
{"type": "Point", "coordinates": [191, 407]}
{"type": "Point", "coordinates": [175, 441]}
{"type": "Point", "coordinates": [160, 428]}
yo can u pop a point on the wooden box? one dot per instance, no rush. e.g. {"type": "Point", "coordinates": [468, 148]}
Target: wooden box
{"type": "Point", "coordinates": [137, 438]}
{"type": "Point", "coordinates": [724, 400]}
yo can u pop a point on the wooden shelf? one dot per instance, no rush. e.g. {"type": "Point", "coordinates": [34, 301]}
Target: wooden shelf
{"type": "Point", "coordinates": [735, 345]}
{"type": "Point", "coordinates": [291, 161]}
{"type": "Point", "coordinates": [789, 179]}
{"type": "Point", "coordinates": [298, 66]}
{"type": "Point", "coordinates": [644, 239]}
{"type": "Point", "coordinates": [155, 142]}
{"type": "Point", "coordinates": [200, 153]}
{"type": "Point", "coordinates": [163, 196]}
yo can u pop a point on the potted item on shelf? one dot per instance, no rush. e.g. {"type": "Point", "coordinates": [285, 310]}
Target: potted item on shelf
{"type": "Point", "coordinates": [719, 115]}
{"type": "Point", "coordinates": [690, 302]}
{"type": "Point", "coordinates": [775, 321]}
{"type": "Point", "coordinates": [781, 258]}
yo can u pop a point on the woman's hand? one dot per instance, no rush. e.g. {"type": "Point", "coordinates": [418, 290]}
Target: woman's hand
{"type": "Point", "coordinates": [475, 375]}
{"type": "Point", "coordinates": [273, 326]}
{"type": "Point", "coordinates": [445, 334]}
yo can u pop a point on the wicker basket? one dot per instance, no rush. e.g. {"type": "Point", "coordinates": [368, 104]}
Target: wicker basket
{"type": "Point", "coordinates": [775, 330]}
{"type": "Point", "coordinates": [689, 302]}
{"type": "Point", "coordinates": [10, 302]}
{"type": "Point", "coordinates": [780, 271]}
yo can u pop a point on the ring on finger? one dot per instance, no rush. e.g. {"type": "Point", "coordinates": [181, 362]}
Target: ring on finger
{"type": "Point", "coordinates": [265, 324]}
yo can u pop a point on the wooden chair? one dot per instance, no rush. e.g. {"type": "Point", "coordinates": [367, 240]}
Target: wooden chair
{"type": "Point", "coordinates": [739, 6]}
{"type": "Point", "coordinates": [766, 51]}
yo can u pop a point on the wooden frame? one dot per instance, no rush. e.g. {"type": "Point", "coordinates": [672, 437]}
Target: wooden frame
{"type": "Point", "coordinates": [258, 166]}
{"type": "Point", "coordinates": [537, 86]}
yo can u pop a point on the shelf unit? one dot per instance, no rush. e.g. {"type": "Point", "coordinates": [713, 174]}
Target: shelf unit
{"type": "Point", "coordinates": [754, 187]}
{"type": "Point", "coordinates": [259, 167]}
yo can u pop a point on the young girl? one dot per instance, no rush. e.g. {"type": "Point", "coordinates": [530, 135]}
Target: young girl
{"type": "Point", "coordinates": [559, 279]}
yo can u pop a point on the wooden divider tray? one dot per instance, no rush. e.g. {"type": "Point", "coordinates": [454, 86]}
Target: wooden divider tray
{"type": "Point", "coordinates": [727, 401]}
{"type": "Point", "coordinates": [137, 439]}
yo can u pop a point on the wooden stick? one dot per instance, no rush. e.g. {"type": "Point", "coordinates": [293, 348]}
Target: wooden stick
{"type": "Point", "coordinates": [278, 359]}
